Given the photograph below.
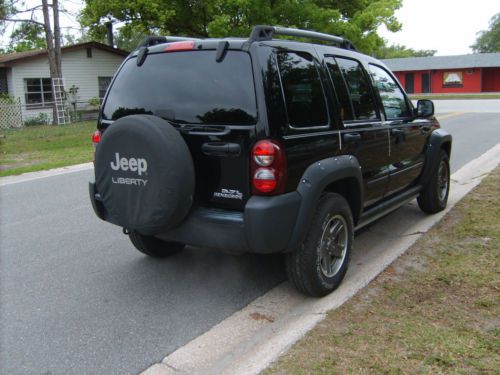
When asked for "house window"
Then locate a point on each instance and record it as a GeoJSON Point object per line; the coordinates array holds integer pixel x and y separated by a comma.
{"type": "Point", "coordinates": [103, 85]}
{"type": "Point", "coordinates": [453, 79]}
{"type": "Point", "coordinates": [38, 92]}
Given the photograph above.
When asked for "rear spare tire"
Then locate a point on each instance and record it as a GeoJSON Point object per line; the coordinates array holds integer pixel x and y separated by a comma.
{"type": "Point", "coordinates": [144, 174]}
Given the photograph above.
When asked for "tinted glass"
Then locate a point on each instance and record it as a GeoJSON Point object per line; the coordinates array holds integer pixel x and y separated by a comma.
{"type": "Point", "coordinates": [304, 98]}
{"type": "Point", "coordinates": [361, 95]}
{"type": "Point", "coordinates": [393, 99]}
{"type": "Point", "coordinates": [186, 87]}
{"type": "Point", "coordinates": [340, 89]}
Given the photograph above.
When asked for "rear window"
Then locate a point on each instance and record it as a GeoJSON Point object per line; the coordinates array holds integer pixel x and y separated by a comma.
{"type": "Point", "coordinates": [186, 87]}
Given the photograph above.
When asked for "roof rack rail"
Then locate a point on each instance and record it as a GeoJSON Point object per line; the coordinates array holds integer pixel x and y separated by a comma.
{"type": "Point", "coordinates": [154, 40]}
{"type": "Point", "coordinates": [263, 33]}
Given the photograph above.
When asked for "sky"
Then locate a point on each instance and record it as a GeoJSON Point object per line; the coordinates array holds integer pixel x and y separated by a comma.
{"type": "Point", "coordinates": [447, 26]}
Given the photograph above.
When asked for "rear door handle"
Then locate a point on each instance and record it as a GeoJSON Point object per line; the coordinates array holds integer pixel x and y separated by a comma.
{"type": "Point", "coordinates": [221, 149]}
{"type": "Point", "coordinates": [352, 137]}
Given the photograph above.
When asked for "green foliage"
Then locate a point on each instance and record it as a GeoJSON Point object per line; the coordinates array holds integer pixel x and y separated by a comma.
{"type": "Point", "coordinates": [40, 119]}
{"type": "Point", "coordinates": [27, 36]}
{"type": "Point", "coordinates": [7, 99]}
{"type": "Point", "coordinates": [489, 40]}
{"type": "Point", "coordinates": [127, 39]}
{"type": "Point", "coordinates": [397, 50]}
{"type": "Point", "coordinates": [95, 101]}
{"type": "Point", "coordinates": [6, 9]}
{"type": "Point", "coordinates": [357, 20]}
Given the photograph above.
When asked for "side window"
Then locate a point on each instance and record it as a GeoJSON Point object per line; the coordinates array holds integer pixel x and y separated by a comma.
{"type": "Point", "coordinates": [304, 97]}
{"type": "Point", "coordinates": [393, 99]}
{"type": "Point", "coordinates": [340, 89]}
{"type": "Point", "coordinates": [360, 92]}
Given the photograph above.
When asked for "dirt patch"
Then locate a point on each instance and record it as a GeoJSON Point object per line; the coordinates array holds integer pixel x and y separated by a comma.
{"type": "Point", "coordinates": [259, 316]}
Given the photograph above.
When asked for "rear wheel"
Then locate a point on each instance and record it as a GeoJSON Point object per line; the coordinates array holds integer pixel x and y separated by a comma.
{"type": "Point", "coordinates": [154, 247]}
{"type": "Point", "coordinates": [434, 196]}
{"type": "Point", "coordinates": [318, 266]}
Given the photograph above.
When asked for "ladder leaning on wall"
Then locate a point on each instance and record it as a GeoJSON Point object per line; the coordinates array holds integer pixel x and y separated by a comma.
{"type": "Point", "coordinates": [59, 101]}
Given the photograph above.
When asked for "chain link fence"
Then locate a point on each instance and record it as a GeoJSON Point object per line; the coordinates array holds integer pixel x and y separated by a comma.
{"type": "Point", "coordinates": [10, 113]}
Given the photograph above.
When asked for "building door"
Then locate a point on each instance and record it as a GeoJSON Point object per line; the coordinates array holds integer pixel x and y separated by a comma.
{"type": "Point", "coordinates": [410, 86]}
{"type": "Point", "coordinates": [426, 83]}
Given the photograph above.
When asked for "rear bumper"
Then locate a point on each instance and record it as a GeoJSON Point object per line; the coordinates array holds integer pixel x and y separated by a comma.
{"type": "Point", "coordinates": [265, 226]}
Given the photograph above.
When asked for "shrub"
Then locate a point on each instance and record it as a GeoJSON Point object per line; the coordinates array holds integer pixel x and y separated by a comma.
{"type": "Point", "coordinates": [40, 119]}
{"type": "Point", "coordinates": [95, 101]}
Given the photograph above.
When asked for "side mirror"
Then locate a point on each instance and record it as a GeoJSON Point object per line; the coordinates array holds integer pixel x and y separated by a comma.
{"type": "Point", "coordinates": [425, 108]}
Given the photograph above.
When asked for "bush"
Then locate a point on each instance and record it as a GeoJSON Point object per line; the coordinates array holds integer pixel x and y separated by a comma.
{"type": "Point", "coordinates": [7, 99]}
{"type": "Point", "coordinates": [95, 102]}
{"type": "Point", "coordinates": [75, 116]}
{"type": "Point", "coordinates": [40, 119]}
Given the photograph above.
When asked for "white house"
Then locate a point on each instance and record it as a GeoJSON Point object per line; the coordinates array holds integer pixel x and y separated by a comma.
{"type": "Point", "coordinates": [87, 70]}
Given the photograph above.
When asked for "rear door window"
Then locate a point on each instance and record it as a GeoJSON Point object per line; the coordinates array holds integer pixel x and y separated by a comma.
{"type": "Point", "coordinates": [186, 87]}
{"type": "Point", "coordinates": [358, 86]}
{"type": "Point", "coordinates": [303, 91]}
{"type": "Point", "coordinates": [347, 112]}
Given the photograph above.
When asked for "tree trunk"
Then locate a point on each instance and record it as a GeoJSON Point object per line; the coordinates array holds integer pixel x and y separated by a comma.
{"type": "Point", "coordinates": [57, 37]}
{"type": "Point", "coordinates": [54, 59]}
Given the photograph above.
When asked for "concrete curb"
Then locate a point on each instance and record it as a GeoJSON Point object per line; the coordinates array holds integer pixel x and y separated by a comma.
{"type": "Point", "coordinates": [252, 338]}
{"type": "Point", "coordinates": [30, 176]}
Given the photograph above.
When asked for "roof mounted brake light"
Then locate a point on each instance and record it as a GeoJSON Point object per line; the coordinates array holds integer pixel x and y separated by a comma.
{"type": "Point", "coordinates": [180, 46]}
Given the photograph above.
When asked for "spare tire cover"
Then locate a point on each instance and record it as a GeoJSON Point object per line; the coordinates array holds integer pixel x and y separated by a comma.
{"type": "Point", "coordinates": [144, 174]}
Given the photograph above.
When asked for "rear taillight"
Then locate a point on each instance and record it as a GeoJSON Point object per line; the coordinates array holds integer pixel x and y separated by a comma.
{"type": "Point", "coordinates": [96, 137]}
{"type": "Point", "coordinates": [268, 168]}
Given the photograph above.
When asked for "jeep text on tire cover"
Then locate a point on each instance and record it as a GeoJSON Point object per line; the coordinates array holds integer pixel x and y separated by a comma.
{"type": "Point", "coordinates": [262, 145]}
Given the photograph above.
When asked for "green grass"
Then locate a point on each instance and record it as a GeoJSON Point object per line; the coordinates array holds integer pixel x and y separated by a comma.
{"type": "Point", "coordinates": [434, 311]}
{"type": "Point", "coordinates": [455, 96]}
{"type": "Point", "coordinates": [37, 148]}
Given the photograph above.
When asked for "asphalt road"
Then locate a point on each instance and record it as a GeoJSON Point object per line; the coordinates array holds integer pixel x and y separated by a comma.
{"type": "Point", "coordinates": [76, 298]}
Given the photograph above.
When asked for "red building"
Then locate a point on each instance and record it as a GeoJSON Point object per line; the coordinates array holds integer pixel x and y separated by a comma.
{"type": "Point", "coordinates": [448, 74]}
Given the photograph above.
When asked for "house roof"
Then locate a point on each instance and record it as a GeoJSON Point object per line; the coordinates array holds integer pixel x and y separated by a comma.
{"type": "Point", "coordinates": [11, 58]}
{"type": "Point", "coordinates": [480, 60]}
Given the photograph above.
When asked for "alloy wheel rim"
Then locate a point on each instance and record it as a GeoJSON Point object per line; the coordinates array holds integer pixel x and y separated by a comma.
{"type": "Point", "coordinates": [443, 181]}
{"type": "Point", "coordinates": [333, 245]}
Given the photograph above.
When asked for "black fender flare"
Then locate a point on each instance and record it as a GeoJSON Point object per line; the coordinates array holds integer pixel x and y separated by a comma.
{"type": "Point", "coordinates": [439, 139]}
{"type": "Point", "coordinates": [316, 178]}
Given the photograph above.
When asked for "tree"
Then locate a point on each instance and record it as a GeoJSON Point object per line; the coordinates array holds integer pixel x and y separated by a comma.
{"type": "Point", "coordinates": [398, 51]}
{"type": "Point", "coordinates": [9, 13]}
{"type": "Point", "coordinates": [26, 37]}
{"type": "Point", "coordinates": [489, 40]}
{"type": "Point", "coordinates": [357, 20]}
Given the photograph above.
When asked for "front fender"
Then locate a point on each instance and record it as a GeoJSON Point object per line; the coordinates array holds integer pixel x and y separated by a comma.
{"type": "Point", "coordinates": [438, 140]}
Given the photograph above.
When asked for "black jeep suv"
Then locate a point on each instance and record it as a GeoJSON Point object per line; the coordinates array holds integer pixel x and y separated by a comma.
{"type": "Point", "coordinates": [262, 145]}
